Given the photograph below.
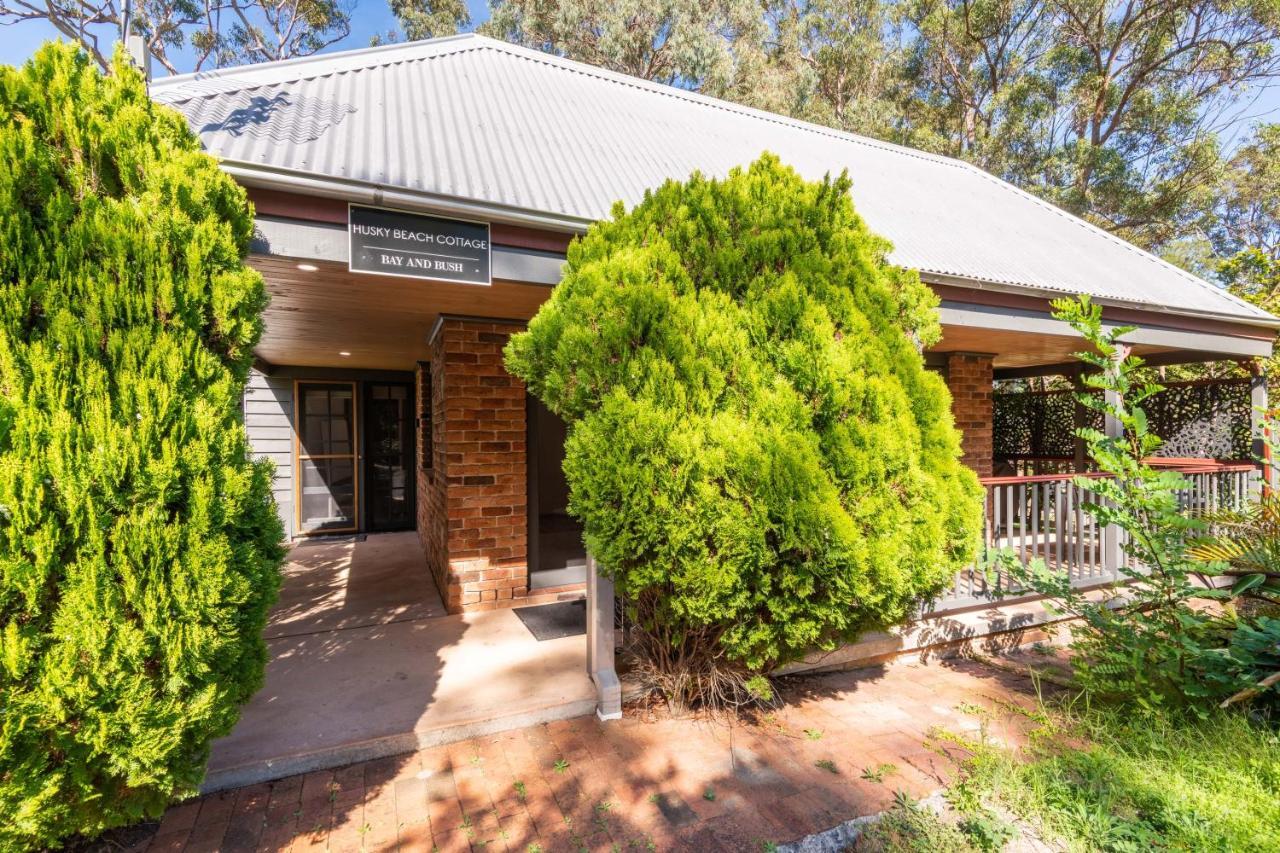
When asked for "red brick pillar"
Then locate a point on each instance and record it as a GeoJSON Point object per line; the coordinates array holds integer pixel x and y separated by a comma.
{"type": "Point", "coordinates": [969, 376]}
{"type": "Point", "coordinates": [473, 522]}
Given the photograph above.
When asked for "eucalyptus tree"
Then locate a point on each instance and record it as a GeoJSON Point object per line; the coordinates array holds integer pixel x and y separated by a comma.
{"type": "Point", "coordinates": [216, 32]}
{"type": "Point", "coordinates": [424, 19]}
{"type": "Point", "coordinates": [1246, 231]}
{"type": "Point", "coordinates": [1108, 108]}
{"type": "Point", "coordinates": [705, 45]}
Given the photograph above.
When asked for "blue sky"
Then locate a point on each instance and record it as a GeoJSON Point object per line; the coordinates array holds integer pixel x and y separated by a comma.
{"type": "Point", "coordinates": [372, 17]}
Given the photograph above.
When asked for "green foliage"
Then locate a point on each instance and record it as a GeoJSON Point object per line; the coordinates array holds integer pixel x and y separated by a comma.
{"type": "Point", "coordinates": [1149, 640]}
{"type": "Point", "coordinates": [987, 831]}
{"type": "Point", "coordinates": [1107, 778]}
{"type": "Point", "coordinates": [716, 47]}
{"type": "Point", "coordinates": [1243, 544]}
{"type": "Point", "coordinates": [139, 545]}
{"type": "Point", "coordinates": [908, 827]}
{"type": "Point", "coordinates": [424, 19]}
{"type": "Point", "coordinates": [876, 774]}
{"type": "Point", "coordinates": [190, 33]}
{"type": "Point", "coordinates": [757, 453]}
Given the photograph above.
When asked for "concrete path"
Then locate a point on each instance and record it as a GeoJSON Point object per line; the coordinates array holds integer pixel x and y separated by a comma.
{"type": "Point", "coordinates": [838, 748]}
{"type": "Point", "coordinates": [365, 663]}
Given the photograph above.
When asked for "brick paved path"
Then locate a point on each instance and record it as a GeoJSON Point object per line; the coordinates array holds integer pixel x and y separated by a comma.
{"type": "Point", "coordinates": [641, 783]}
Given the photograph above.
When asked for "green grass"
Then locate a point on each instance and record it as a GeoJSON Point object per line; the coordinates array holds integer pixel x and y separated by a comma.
{"type": "Point", "coordinates": [1112, 779]}
{"type": "Point", "coordinates": [908, 828]}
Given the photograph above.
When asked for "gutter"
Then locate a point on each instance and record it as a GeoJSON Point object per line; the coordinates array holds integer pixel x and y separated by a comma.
{"type": "Point", "coordinates": [383, 195]}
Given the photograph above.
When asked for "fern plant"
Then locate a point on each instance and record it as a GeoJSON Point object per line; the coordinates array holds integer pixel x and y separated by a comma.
{"type": "Point", "coordinates": [1245, 546]}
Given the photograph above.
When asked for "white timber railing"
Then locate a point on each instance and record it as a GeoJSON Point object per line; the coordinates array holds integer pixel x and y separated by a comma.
{"type": "Point", "coordinates": [1045, 517]}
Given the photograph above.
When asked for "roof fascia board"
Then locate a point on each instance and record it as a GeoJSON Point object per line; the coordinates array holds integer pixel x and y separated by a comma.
{"type": "Point", "coordinates": [360, 192]}
{"type": "Point", "coordinates": [1036, 323]}
{"type": "Point", "coordinates": [1028, 290]}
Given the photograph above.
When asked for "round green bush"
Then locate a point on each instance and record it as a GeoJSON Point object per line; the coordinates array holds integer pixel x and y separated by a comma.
{"type": "Point", "coordinates": [758, 455]}
{"type": "Point", "coordinates": [139, 545]}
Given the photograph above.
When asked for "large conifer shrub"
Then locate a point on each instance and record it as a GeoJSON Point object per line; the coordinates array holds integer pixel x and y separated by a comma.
{"type": "Point", "coordinates": [139, 546]}
{"type": "Point", "coordinates": [758, 455]}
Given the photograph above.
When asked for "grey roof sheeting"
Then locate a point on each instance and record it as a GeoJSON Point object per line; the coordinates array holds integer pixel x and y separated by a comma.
{"type": "Point", "coordinates": [470, 118]}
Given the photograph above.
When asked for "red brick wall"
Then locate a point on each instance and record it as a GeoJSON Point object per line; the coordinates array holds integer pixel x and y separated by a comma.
{"type": "Point", "coordinates": [969, 376]}
{"type": "Point", "coordinates": [472, 516]}
{"type": "Point", "coordinates": [433, 529]}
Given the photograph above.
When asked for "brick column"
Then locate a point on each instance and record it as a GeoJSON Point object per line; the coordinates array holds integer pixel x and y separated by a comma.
{"type": "Point", "coordinates": [969, 376]}
{"type": "Point", "coordinates": [472, 516]}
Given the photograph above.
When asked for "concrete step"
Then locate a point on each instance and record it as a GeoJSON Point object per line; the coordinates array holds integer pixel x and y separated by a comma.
{"type": "Point", "coordinates": [266, 770]}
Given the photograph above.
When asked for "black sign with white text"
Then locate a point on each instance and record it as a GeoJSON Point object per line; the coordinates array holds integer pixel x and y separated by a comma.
{"type": "Point", "coordinates": [392, 242]}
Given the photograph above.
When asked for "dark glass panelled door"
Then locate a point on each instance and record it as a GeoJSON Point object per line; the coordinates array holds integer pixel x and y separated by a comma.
{"type": "Point", "coordinates": [556, 554]}
{"type": "Point", "coordinates": [326, 451]}
{"type": "Point", "coordinates": [388, 456]}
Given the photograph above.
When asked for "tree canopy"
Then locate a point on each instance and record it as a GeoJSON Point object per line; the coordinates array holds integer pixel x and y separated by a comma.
{"type": "Point", "coordinates": [216, 32]}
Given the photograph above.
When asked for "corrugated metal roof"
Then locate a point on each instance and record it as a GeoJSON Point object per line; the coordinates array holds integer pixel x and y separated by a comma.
{"type": "Point", "coordinates": [481, 120]}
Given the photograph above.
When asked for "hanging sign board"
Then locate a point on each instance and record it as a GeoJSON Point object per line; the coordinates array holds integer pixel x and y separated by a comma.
{"type": "Point", "coordinates": [393, 242]}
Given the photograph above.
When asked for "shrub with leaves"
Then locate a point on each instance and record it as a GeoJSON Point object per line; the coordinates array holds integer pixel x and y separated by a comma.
{"type": "Point", "coordinates": [757, 453]}
{"type": "Point", "coordinates": [139, 545]}
{"type": "Point", "coordinates": [1150, 640]}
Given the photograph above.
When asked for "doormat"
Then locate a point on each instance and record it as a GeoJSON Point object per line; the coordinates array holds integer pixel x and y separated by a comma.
{"type": "Point", "coordinates": [553, 621]}
{"type": "Point", "coordinates": [329, 538]}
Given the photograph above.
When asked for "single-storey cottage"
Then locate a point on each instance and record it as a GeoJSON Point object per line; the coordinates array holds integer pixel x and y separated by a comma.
{"type": "Point", "coordinates": [414, 203]}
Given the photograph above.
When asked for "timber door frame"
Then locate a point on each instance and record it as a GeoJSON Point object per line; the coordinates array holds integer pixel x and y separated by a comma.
{"type": "Point", "coordinates": [356, 457]}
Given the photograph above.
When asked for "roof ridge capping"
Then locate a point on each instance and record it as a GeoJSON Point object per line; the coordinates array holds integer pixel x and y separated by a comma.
{"type": "Point", "coordinates": [573, 65]}
{"type": "Point", "coordinates": [386, 54]}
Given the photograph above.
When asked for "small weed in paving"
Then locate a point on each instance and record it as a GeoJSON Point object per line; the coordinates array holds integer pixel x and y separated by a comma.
{"type": "Point", "coordinates": [709, 794]}
{"type": "Point", "coordinates": [561, 765]}
{"type": "Point", "coordinates": [876, 774]}
{"type": "Point", "coordinates": [535, 847]}
{"type": "Point", "coordinates": [813, 734]}
{"type": "Point", "coordinates": [521, 791]}
{"type": "Point", "coordinates": [828, 765]}
{"type": "Point", "coordinates": [334, 788]}
{"type": "Point", "coordinates": [653, 798]}
{"type": "Point", "coordinates": [603, 806]}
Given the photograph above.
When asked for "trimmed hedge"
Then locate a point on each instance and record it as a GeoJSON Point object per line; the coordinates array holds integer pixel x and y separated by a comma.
{"type": "Point", "coordinates": [139, 544]}
{"type": "Point", "coordinates": [756, 449]}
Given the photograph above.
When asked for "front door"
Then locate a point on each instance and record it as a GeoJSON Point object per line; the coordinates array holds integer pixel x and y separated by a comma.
{"type": "Point", "coordinates": [388, 456]}
{"type": "Point", "coordinates": [327, 490]}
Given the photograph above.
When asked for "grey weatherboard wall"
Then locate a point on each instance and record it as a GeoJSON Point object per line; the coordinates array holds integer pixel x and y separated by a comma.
{"type": "Point", "coordinates": [268, 420]}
